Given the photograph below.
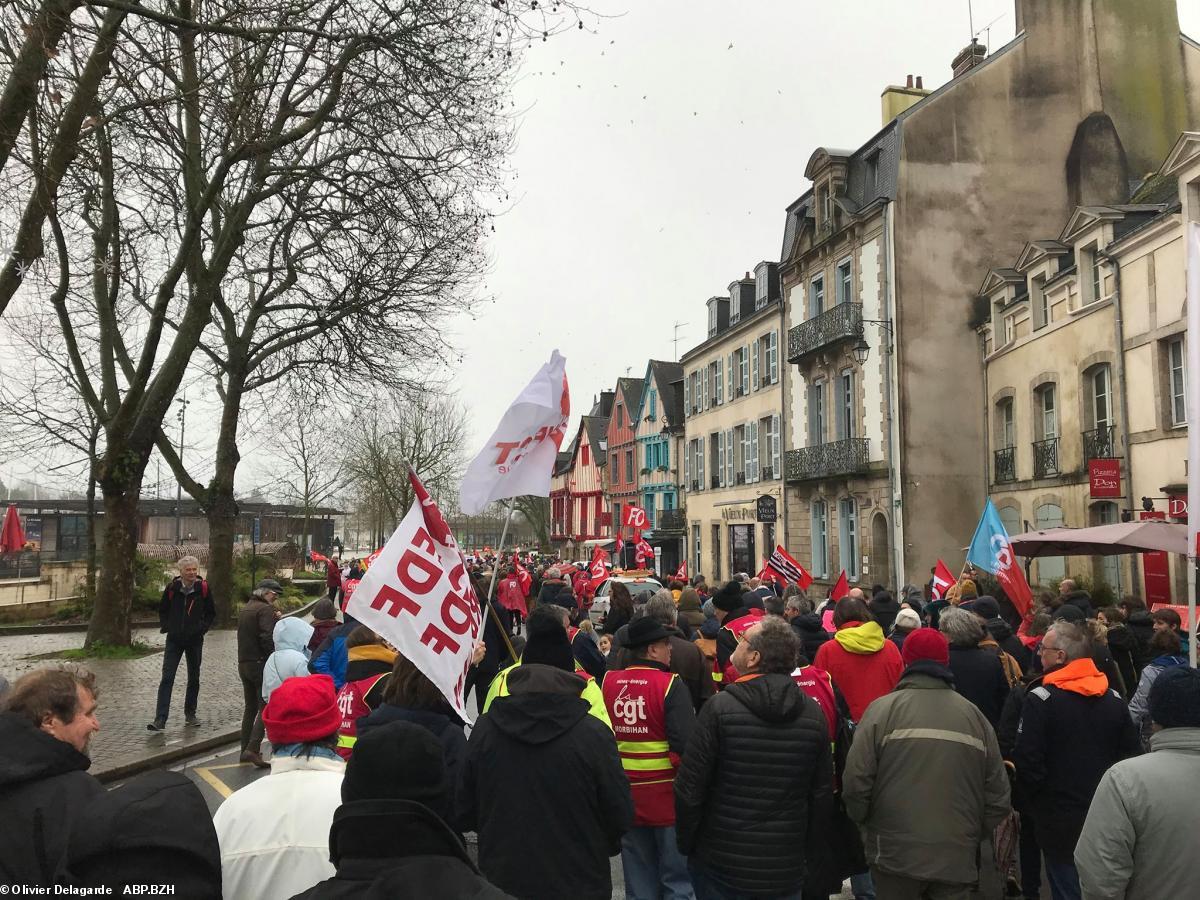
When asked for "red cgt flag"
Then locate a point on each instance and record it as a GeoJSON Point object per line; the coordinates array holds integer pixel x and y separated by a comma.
{"type": "Point", "coordinates": [597, 572]}
{"type": "Point", "coordinates": [681, 573]}
{"type": "Point", "coordinates": [523, 576]}
{"type": "Point", "coordinates": [840, 589]}
{"type": "Point", "coordinates": [943, 580]}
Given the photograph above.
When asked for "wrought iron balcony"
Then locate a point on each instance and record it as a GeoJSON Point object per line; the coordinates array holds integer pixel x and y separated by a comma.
{"type": "Point", "coordinates": [670, 520]}
{"type": "Point", "coordinates": [1098, 443]}
{"type": "Point", "coordinates": [739, 478]}
{"type": "Point", "coordinates": [1045, 458]}
{"type": "Point", "coordinates": [840, 323]}
{"type": "Point", "coordinates": [695, 484]}
{"type": "Point", "coordinates": [1005, 464]}
{"type": "Point", "coordinates": [827, 460]}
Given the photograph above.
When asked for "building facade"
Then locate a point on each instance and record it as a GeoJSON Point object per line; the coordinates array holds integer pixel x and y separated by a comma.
{"type": "Point", "coordinates": [733, 432]}
{"type": "Point", "coordinates": [578, 512]}
{"type": "Point", "coordinates": [1079, 105]}
{"type": "Point", "coordinates": [657, 421]}
{"type": "Point", "coordinates": [623, 457]}
{"type": "Point", "coordinates": [1084, 350]}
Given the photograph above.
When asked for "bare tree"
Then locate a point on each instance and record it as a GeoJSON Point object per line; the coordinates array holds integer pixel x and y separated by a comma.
{"type": "Point", "coordinates": [536, 512]}
{"type": "Point", "coordinates": [427, 433]}
{"type": "Point", "coordinates": [311, 469]}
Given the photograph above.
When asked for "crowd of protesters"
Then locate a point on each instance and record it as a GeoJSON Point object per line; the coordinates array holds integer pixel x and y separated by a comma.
{"type": "Point", "coordinates": [741, 741]}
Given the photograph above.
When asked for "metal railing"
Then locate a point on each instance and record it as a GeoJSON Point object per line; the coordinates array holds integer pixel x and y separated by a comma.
{"type": "Point", "coordinates": [671, 520]}
{"type": "Point", "coordinates": [1098, 443]}
{"type": "Point", "coordinates": [1045, 458]}
{"type": "Point", "coordinates": [715, 482]}
{"type": "Point", "coordinates": [825, 460]}
{"type": "Point", "coordinates": [20, 565]}
{"type": "Point", "coordinates": [695, 484]}
{"type": "Point", "coordinates": [1005, 462]}
{"type": "Point", "coordinates": [739, 478]}
{"type": "Point", "coordinates": [839, 323]}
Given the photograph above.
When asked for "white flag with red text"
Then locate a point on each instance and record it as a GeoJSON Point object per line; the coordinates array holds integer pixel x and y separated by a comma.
{"type": "Point", "coordinates": [518, 458]}
{"type": "Point", "coordinates": [418, 597]}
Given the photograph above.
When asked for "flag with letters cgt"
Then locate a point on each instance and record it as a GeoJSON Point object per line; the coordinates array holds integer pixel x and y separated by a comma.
{"type": "Point", "coordinates": [419, 598]}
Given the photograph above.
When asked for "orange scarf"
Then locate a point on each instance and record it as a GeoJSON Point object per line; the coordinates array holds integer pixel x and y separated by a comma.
{"type": "Point", "coordinates": [1079, 677]}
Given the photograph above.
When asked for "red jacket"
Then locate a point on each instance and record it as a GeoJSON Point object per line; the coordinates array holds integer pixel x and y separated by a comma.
{"type": "Point", "coordinates": [863, 663]}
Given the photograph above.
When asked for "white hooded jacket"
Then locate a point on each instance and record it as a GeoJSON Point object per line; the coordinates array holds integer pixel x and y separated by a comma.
{"type": "Point", "coordinates": [290, 659]}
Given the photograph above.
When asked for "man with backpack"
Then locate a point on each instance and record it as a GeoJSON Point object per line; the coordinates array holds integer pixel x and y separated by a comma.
{"type": "Point", "coordinates": [185, 614]}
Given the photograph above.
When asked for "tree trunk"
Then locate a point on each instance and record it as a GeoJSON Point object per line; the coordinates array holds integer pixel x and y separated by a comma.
{"type": "Point", "coordinates": [222, 514]}
{"type": "Point", "coordinates": [114, 595]}
{"type": "Point", "coordinates": [91, 513]}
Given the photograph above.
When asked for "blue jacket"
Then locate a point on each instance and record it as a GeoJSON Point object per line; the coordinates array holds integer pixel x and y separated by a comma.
{"type": "Point", "coordinates": [290, 659]}
{"type": "Point", "coordinates": [331, 656]}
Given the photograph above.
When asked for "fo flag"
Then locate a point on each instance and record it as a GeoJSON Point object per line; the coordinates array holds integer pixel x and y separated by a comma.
{"type": "Point", "coordinates": [991, 551]}
{"type": "Point", "coordinates": [518, 459]}
{"type": "Point", "coordinates": [418, 597]}
{"type": "Point", "coordinates": [785, 565]}
{"type": "Point", "coordinates": [943, 580]}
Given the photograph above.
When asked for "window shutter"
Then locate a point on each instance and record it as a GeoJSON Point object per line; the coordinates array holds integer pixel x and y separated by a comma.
{"type": "Point", "coordinates": [729, 457]}
{"type": "Point", "coordinates": [687, 466]}
{"type": "Point", "coordinates": [721, 458]}
{"type": "Point", "coordinates": [720, 371]}
{"type": "Point", "coordinates": [755, 365]}
{"type": "Point", "coordinates": [687, 396]}
{"type": "Point", "coordinates": [774, 356]}
{"type": "Point", "coordinates": [754, 450]}
{"type": "Point", "coordinates": [700, 460]}
{"type": "Point", "coordinates": [776, 469]}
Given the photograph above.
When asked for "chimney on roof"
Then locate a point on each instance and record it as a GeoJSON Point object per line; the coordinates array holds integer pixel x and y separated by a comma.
{"type": "Point", "coordinates": [968, 58]}
{"type": "Point", "coordinates": [896, 99]}
{"type": "Point", "coordinates": [920, 83]}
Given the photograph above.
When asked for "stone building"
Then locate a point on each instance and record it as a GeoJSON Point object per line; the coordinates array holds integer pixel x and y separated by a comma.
{"type": "Point", "coordinates": [1079, 106]}
{"type": "Point", "coordinates": [1083, 342]}
{"type": "Point", "coordinates": [733, 406]}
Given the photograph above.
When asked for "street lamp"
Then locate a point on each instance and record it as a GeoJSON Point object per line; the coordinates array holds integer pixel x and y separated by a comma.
{"type": "Point", "coordinates": [862, 349]}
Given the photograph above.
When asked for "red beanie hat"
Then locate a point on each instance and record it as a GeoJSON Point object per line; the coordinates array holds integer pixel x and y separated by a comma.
{"type": "Point", "coordinates": [302, 710]}
{"type": "Point", "coordinates": [924, 643]}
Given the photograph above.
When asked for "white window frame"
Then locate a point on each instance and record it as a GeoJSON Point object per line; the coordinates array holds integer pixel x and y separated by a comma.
{"type": "Point", "coordinates": [1008, 423]}
{"type": "Point", "coordinates": [818, 426]}
{"type": "Point", "coordinates": [721, 458]}
{"type": "Point", "coordinates": [744, 364]}
{"type": "Point", "coordinates": [1177, 380]}
{"type": "Point", "coordinates": [848, 536]}
{"type": "Point", "coordinates": [845, 405]}
{"type": "Point", "coordinates": [1101, 376]}
{"type": "Point", "coordinates": [752, 468]}
{"type": "Point", "coordinates": [719, 380]}
{"type": "Point", "coordinates": [776, 448]}
{"type": "Point", "coordinates": [816, 295]}
{"type": "Point", "coordinates": [729, 458]}
{"type": "Point", "coordinates": [844, 283]}
{"type": "Point", "coordinates": [819, 523]}
{"type": "Point", "coordinates": [773, 356]}
{"type": "Point", "coordinates": [755, 367]}
{"type": "Point", "coordinates": [1048, 411]}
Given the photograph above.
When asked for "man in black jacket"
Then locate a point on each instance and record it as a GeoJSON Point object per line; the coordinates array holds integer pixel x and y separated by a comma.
{"type": "Point", "coordinates": [1073, 727]}
{"type": "Point", "coordinates": [757, 775]}
{"type": "Point", "coordinates": [47, 722]}
{"type": "Point", "coordinates": [185, 613]}
{"type": "Point", "coordinates": [543, 786]}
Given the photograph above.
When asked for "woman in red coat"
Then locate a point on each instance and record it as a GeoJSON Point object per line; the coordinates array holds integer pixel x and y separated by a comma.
{"type": "Point", "coordinates": [863, 663]}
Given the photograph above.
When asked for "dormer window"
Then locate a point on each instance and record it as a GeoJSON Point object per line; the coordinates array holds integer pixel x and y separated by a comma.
{"type": "Point", "coordinates": [712, 317]}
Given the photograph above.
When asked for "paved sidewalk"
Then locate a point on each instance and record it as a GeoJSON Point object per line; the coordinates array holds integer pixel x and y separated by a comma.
{"type": "Point", "coordinates": [127, 693]}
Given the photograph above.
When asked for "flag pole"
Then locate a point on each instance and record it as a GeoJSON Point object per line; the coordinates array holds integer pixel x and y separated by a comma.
{"type": "Point", "coordinates": [492, 587]}
{"type": "Point", "coordinates": [1192, 238]}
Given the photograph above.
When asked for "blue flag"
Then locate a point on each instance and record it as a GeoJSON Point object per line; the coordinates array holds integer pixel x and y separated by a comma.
{"type": "Point", "coordinates": [991, 551]}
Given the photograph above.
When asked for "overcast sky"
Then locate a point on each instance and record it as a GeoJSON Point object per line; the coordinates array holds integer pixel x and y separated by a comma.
{"type": "Point", "coordinates": [655, 154]}
{"type": "Point", "coordinates": [655, 159]}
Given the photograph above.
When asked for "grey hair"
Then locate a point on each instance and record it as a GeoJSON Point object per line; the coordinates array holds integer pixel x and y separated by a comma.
{"type": "Point", "coordinates": [777, 645]}
{"type": "Point", "coordinates": [799, 604]}
{"type": "Point", "coordinates": [662, 609]}
{"type": "Point", "coordinates": [186, 561]}
{"type": "Point", "coordinates": [1072, 640]}
{"type": "Point", "coordinates": [773, 605]}
{"type": "Point", "coordinates": [961, 628]}
{"type": "Point", "coordinates": [661, 593]}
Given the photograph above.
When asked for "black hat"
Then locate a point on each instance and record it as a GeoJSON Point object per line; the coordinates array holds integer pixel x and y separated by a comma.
{"type": "Point", "coordinates": [643, 631]}
{"type": "Point", "coordinates": [983, 606]}
{"type": "Point", "coordinates": [546, 643]}
{"type": "Point", "coordinates": [729, 597]}
{"type": "Point", "coordinates": [1069, 613]}
{"type": "Point", "coordinates": [397, 761]}
{"type": "Point", "coordinates": [1175, 698]}
{"type": "Point", "coordinates": [269, 584]}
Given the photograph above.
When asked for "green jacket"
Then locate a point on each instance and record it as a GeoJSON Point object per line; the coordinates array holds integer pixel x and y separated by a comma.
{"type": "Point", "coordinates": [1139, 836]}
{"type": "Point", "coordinates": [924, 779]}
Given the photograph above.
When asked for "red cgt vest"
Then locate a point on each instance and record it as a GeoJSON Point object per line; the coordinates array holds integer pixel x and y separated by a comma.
{"type": "Point", "coordinates": [817, 684]}
{"type": "Point", "coordinates": [352, 704]}
{"type": "Point", "coordinates": [635, 698]}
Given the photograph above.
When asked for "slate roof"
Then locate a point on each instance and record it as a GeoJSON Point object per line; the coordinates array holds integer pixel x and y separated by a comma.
{"type": "Point", "coordinates": [632, 389]}
{"type": "Point", "coordinates": [597, 432]}
{"type": "Point", "coordinates": [668, 376]}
